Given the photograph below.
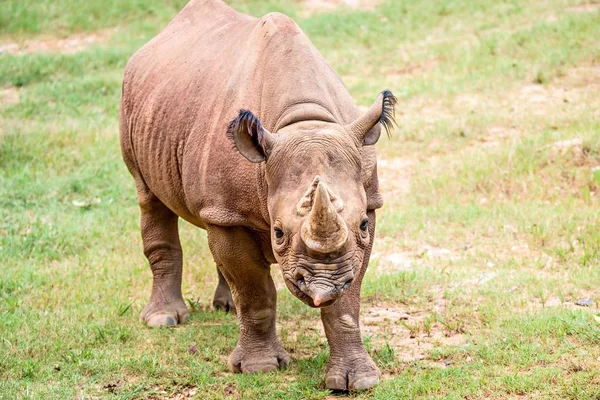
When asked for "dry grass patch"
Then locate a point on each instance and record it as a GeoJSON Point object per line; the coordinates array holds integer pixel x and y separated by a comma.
{"type": "Point", "coordinates": [394, 178]}
{"type": "Point", "coordinates": [411, 336]}
{"type": "Point", "coordinates": [68, 45]}
{"type": "Point", "coordinates": [9, 96]}
{"type": "Point", "coordinates": [311, 7]}
{"type": "Point", "coordinates": [584, 8]}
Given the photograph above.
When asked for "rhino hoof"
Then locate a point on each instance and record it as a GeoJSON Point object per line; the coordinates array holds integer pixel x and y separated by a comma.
{"type": "Point", "coordinates": [250, 363]}
{"type": "Point", "coordinates": [353, 375]}
{"type": "Point", "coordinates": [161, 320]}
{"type": "Point", "coordinates": [165, 315]}
{"type": "Point", "coordinates": [336, 382]}
{"type": "Point", "coordinates": [360, 382]}
{"type": "Point", "coordinates": [224, 305]}
{"type": "Point", "coordinates": [365, 382]}
{"type": "Point", "coordinates": [222, 299]}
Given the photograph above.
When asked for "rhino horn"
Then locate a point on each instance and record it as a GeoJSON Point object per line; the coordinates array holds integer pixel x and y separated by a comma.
{"type": "Point", "coordinates": [324, 230]}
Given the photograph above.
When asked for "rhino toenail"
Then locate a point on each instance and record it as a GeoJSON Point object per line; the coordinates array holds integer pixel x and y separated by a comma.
{"type": "Point", "coordinates": [365, 383]}
{"type": "Point", "coordinates": [336, 382]}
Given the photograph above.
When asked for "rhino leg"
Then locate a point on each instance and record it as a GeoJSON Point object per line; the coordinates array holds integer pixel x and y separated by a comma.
{"type": "Point", "coordinates": [222, 299]}
{"type": "Point", "coordinates": [163, 251]}
{"type": "Point", "coordinates": [350, 366]}
{"type": "Point", "coordinates": [240, 259]}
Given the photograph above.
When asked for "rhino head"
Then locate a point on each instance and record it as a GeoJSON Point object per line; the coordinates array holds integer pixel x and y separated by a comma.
{"type": "Point", "coordinates": [316, 197]}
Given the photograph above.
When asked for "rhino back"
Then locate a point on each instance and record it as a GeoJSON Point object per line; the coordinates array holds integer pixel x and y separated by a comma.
{"type": "Point", "coordinates": [183, 87]}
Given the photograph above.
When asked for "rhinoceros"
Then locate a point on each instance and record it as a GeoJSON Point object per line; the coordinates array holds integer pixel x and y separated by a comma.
{"type": "Point", "coordinates": [239, 126]}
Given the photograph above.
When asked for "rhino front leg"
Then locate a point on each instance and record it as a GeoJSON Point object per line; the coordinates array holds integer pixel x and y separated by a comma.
{"type": "Point", "coordinates": [222, 300]}
{"type": "Point", "coordinates": [160, 236]}
{"type": "Point", "coordinates": [350, 366]}
{"type": "Point", "coordinates": [248, 274]}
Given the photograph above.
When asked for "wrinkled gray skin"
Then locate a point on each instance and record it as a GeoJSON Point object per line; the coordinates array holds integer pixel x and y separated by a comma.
{"type": "Point", "coordinates": [293, 182]}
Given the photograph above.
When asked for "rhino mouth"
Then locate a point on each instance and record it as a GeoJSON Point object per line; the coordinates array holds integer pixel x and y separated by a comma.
{"type": "Point", "coordinates": [319, 283]}
{"type": "Point", "coordinates": [297, 291]}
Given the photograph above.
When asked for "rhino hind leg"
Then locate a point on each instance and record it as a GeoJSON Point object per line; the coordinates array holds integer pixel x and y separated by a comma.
{"type": "Point", "coordinates": [247, 272]}
{"type": "Point", "coordinates": [222, 300]}
{"type": "Point", "coordinates": [350, 367]}
{"type": "Point", "coordinates": [160, 237]}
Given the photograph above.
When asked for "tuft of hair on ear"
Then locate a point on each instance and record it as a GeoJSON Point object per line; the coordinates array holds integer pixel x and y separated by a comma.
{"type": "Point", "coordinates": [388, 112]}
{"type": "Point", "coordinates": [248, 123]}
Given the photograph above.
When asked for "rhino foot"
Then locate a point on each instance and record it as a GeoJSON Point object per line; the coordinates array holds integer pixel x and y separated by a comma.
{"type": "Point", "coordinates": [258, 360]}
{"type": "Point", "coordinates": [161, 314]}
{"type": "Point", "coordinates": [223, 300]}
{"type": "Point", "coordinates": [352, 374]}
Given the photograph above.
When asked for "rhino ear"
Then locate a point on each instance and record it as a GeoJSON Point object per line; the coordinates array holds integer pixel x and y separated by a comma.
{"type": "Point", "coordinates": [367, 128]}
{"type": "Point", "coordinates": [251, 139]}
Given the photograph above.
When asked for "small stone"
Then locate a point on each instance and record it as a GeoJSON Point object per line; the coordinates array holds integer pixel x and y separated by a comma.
{"type": "Point", "coordinates": [447, 363]}
{"type": "Point", "coordinates": [56, 367]}
{"type": "Point", "coordinates": [584, 302]}
{"type": "Point", "coordinates": [192, 350]}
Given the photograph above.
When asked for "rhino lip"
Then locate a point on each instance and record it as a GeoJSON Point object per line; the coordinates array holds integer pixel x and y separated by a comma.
{"type": "Point", "coordinates": [324, 304]}
{"type": "Point", "coordinates": [300, 294]}
{"type": "Point", "coordinates": [306, 298]}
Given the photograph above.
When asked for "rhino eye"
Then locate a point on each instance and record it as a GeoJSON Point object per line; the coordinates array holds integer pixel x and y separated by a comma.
{"type": "Point", "coordinates": [364, 225]}
{"type": "Point", "coordinates": [278, 233]}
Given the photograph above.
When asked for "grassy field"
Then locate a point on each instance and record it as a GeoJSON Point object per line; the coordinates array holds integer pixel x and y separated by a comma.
{"type": "Point", "coordinates": [486, 275]}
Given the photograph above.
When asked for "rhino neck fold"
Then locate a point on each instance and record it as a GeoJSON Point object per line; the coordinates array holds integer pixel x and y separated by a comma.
{"type": "Point", "coordinates": [300, 112]}
{"type": "Point", "coordinates": [262, 189]}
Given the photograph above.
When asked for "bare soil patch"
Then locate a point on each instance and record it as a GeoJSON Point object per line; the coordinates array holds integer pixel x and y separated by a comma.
{"type": "Point", "coordinates": [389, 262]}
{"type": "Point", "coordinates": [562, 98]}
{"type": "Point", "coordinates": [395, 181]}
{"type": "Point", "coordinates": [408, 334]}
{"type": "Point", "coordinates": [411, 335]}
{"type": "Point", "coordinates": [413, 69]}
{"type": "Point", "coordinates": [9, 96]}
{"type": "Point", "coordinates": [69, 45]}
{"type": "Point", "coordinates": [568, 91]}
{"type": "Point", "coordinates": [584, 8]}
{"type": "Point", "coordinates": [390, 259]}
{"type": "Point", "coordinates": [188, 393]}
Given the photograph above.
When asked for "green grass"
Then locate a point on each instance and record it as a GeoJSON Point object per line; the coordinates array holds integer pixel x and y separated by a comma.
{"type": "Point", "coordinates": [489, 235]}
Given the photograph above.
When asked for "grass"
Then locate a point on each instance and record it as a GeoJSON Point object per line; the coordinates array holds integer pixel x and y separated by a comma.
{"type": "Point", "coordinates": [489, 236]}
